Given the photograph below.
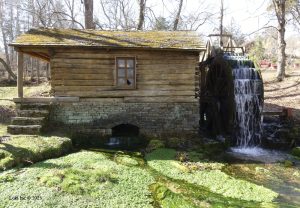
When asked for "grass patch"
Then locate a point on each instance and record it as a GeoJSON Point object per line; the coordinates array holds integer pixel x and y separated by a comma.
{"type": "Point", "coordinates": [3, 129]}
{"type": "Point", "coordinates": [83, 179]}
{"type": "Point", "coordinates": [8, 93]}
{"type": "Point", "coordinates": [126, 160]}
{"type": "Point", "coordinates": [25, 149]}
{"type": "Point", "coordinates": [78, 181]}
{"type": "Point", "coordinates": [169, 199]}
{"type": "Point", "coordinates": [162, 160]}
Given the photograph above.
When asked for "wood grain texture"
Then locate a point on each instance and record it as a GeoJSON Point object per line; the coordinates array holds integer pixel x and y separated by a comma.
{"type": "Point", "coordinates": [91, 73]}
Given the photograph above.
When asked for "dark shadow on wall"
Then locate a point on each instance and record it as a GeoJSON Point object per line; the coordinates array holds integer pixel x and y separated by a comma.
{"type": "Point", "coordinates": [125, 130]}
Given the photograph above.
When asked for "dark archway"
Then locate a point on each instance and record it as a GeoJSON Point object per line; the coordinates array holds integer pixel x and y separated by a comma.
{"type": "Point", "coordinates": [125, 130]}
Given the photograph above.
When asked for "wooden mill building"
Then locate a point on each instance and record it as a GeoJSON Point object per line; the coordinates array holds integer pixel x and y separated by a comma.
{"type": "Point", "coordinates": [102, 79]}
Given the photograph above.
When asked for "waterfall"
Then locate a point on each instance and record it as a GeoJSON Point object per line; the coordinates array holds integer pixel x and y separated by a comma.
{"type": "Point", "coordinates": [113, 142]}
{"type": "Point", "coordinates": [248, 95]}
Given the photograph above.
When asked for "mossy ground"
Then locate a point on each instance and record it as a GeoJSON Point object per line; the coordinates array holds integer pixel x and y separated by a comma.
{"type": "Point", "coordinates": [28, 149]}
{"type": "Point", "coordinates": [83, 179]}
{"type": "Point", "coordinates": [107, 178]}
{"type": "Point", "coordinates": [163, 161]}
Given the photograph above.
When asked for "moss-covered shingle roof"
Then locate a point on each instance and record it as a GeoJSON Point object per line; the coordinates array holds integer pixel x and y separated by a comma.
{"type": "Point", "coordinates": [110, 39]}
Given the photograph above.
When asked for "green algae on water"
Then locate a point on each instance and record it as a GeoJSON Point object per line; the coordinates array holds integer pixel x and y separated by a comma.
{"type": "Point", "coordinates": [162, 160]}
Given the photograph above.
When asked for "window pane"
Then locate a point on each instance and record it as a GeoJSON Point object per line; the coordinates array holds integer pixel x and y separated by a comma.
{"type": "Point", "coordinates": [130, 73]}
{"type": "Point", "coordinates": [121, 81]}
{"type": "Point", "coordinates": [121, 72]}
{"type": "Point", "coordinates": [121, 63]}
{"type": "Point", "coordinates": [130, 63]}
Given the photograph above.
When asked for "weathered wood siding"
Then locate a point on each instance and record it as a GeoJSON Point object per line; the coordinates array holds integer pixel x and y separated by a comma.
{"type": "Point", "coordinates": [166, 76]}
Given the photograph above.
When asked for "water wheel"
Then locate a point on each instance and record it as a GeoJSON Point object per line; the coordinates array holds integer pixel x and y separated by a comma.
{"type": "Point", "coordinates": [231, 93]}
{"type": "Point", "coordinates": [217, 97]}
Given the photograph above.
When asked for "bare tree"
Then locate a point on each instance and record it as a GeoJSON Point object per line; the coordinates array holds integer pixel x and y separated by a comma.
{"type": "Point", "coordinates": [8, 69]}
{"type": "Point", "coordinates": [142, 7]}
{"type": "Point", "coordinates": [234, 29]}
{"type": "Point", "coordinates": [88, 14]}
{"type": "Point", "coordinates": [221, 22]}
{"type": "Point", "coordinates": [177, 17]}
{"type": "Point", "coordinates": [68, 16]}
{"type": "Point", "coordinates": [70, 5]}
{"type": "Point", "coordinates": [119, 14]}
{"type": "Point", "coordinates": [295, 12]}
{"type": "Point", "coordinates": [280, 12]}
{"type": "Point", "coordinates": [6, 26]}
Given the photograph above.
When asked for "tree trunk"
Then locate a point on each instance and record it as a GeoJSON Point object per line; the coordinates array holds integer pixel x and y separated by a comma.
{"type": "Point", "coordinates": [281, 54]}
{"type": "Point", "coordinates": [8, 69]}
{"type": "Point", "coordinates": [6, 50]}
{"type": "Point", "coordinates": [142, 14]}
{"type": "Point", "coordinates": [176, 21]}
{"type": "Point", "coordinates": [221, 23]}
{"type": "Point", "coordinates": [280, 10]}
{"type": "Point", "coordinates": [88, 14]}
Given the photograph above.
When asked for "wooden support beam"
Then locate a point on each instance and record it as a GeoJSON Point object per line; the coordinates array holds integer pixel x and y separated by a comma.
{"type": "Point", "coordinates": [41, 56]}
{"type": "Point", "coordinates": [46, 100]}
{"type": "Point", "coordinates": [20, 74]}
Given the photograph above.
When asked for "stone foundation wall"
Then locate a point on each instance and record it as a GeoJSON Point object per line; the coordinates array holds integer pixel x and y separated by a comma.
{"type": "Point", "coordinates": [153, 119]}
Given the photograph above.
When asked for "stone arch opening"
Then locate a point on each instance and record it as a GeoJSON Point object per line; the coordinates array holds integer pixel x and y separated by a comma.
{"type": "Point", "coordinates": [127, 130]}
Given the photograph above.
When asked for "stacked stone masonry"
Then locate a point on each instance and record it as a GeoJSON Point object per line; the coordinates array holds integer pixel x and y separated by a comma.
{"type": "Point", "coordinates": [153, 119]}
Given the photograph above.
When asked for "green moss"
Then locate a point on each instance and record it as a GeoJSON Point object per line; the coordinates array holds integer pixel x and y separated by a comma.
{"type": "Point", "coordinates": [78, 181]}
{"type": "Point", "coordinates": [25, 149]}
{"type": "Point", "coordinates": [126, 160]}
{"type": "Point", "coordinates": [155, 144]}
{"type": "Point", "coordinates": [214, 148]}
{"type": "Point", "coordinates": [296, 151]}
{"type": "Point", "coordinates": [139, 39]}
{"type": "Point", "coordinates": [6, 178]}
{"type": "Point", "coordinates": [288, 163]}
{"type": "Point", "coordinates": [83, 179]}
{"type": "Point", "coordinates": [166, 198]}
{"type": "Point", "coordinates": [162, 160]}
{"type": "Point", "coordinates": [175, 142]}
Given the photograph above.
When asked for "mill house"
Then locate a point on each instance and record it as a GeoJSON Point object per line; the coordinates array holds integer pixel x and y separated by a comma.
{"type": "Point", "coordinates": [104, 79]}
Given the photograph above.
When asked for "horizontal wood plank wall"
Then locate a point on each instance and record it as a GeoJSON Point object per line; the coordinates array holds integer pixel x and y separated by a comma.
{"type": "Point", "coordinates": [161, 76]}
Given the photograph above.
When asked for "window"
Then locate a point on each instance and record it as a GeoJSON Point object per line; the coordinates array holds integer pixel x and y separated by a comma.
{"type": "Point", "coordinates": [125, 72]}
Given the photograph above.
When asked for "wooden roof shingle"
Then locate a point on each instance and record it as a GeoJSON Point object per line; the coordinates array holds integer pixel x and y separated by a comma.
{"type": "Point", "coordinates": [46, 37]}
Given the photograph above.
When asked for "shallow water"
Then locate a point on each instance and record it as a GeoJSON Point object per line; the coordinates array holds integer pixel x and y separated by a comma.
{"type": "Point", "coordinates": [258, 154]}
{"type": "Point", "coordinates": [267, 167]}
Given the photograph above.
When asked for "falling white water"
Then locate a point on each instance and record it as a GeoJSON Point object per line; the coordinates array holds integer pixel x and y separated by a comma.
{"type": "Point", "coordinates": [248, 92]}
{"type": "Point", "coordinates": [113, 141]}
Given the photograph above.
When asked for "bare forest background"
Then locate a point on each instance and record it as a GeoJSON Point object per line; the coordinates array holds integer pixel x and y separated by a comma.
{"type": "Point", "coordinates": [267, 43]}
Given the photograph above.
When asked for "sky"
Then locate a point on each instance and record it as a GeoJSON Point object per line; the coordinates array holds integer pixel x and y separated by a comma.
{"type": "Point", "coordinates": [250, 15]}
